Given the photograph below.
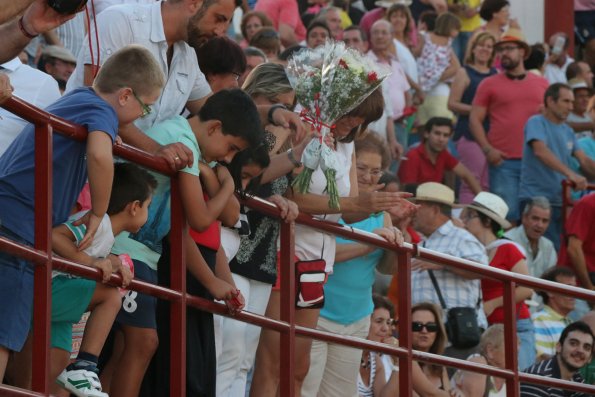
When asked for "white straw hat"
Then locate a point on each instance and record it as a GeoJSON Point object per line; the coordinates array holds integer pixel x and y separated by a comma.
{"type": "Point", "coordinates": [492, 206]}
{"type": "Point", "coordinates": [435, 192]}
{"type": "Point", "coordinates": [390, 3]}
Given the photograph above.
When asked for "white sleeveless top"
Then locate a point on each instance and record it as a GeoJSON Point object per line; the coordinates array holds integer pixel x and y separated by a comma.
{"type": "Point", "coordinates": [310, 243]}
{"type": "Point", "coordinates": [362, 389]}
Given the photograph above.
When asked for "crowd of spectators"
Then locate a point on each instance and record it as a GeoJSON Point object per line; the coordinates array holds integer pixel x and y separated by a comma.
{"type": "Point", "coordinates": [463, 150]}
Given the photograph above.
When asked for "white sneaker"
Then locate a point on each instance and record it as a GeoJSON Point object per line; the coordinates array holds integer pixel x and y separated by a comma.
{"type": "Point", "coordinates": [81, 383]}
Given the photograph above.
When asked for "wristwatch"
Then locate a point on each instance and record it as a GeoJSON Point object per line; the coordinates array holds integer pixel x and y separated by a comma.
{"type": "Point", "coordinates": [293, 160]}
{"type": "Point", "coordinates": [272, 110]}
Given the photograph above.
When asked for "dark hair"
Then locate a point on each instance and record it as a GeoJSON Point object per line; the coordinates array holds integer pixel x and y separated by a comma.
{"type": "Point", "coordinates": [552, 274]}
{"type": "Point", "coordinates": [131, 183]}
{"type": "Point", "coordinates": [579, 326]}
{"type": "Point", "coordinates": [371, 109]}
{"type": "Point", "coordinates": [403, 9]}
{"type": "Point", "coordinates": [221, 55]}
{"type": "Point", "coordinates": [254, 52]}
{"type": "Point", "coordinates": [288, 52]}
{"type": "Point", "coordinates": [491, 7]}
{"type": "Point", "coordinates": [486, 221]}
{"type": "Point", "coordinates": [446, 23]}
{"type": "Point", "coordinates": [317, 23]}
{"type": "Point", "coordinates": [441, 338]}
{"type": "Point", "coordinates": [429, 18]}
{"type": "Point", "coordinates": [381, 302]}
{"type": "Point", "coordinates": [267, 39]}
{"type": "Point", "coordinates": [356, 28]}
{"type": "Point", "coordinates": [237, 113]}
{"type": "Point", "coordinates": [264, 20]}
{"type": "Point", "coordinates": [573, 70]}
{"type": "Point", "coordinates": [438, 122]}
{"type": "Point", "coordinates": [536, 57]}
{"type": "Point", "coordinates": [388, 177]}
{"type": "Point", "coordinates": [553, 91]}
{"type": "Point", "coordinates": [257, 155]}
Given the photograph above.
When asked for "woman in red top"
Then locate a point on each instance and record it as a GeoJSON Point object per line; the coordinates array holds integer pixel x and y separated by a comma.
{"type": "Point", "coordinates": [485, 218]}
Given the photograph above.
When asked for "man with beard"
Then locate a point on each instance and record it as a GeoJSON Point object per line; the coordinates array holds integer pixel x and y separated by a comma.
{"type": "Point", "coordinates": [166, 29]}
{"type": "Point", "coordinates": [508, 99]}
{"type": "Point", "coordinates": [428, 161]}
{"type": "Point", "coordinates": [550, 144]}
{"type": "Point", "coordinates": [573, 351]}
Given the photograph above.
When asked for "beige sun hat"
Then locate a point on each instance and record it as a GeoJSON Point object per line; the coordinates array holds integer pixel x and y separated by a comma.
{"type": "Point", "coordinates": [492, 206]}
{"type": "Point", "coordinates": [59, 52]}
{"type": "Point", "coordinates": [435, 192]}
{"type": "Point", "coordinates": [390, 3]}
{"type": "Point", "coordinates": [578, 84]}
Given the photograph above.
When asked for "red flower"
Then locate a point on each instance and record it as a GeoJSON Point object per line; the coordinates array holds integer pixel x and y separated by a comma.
{"type": "Point", "coordinates": [372, 77]}
{"type": "Point", "coordinates": [343, 64]}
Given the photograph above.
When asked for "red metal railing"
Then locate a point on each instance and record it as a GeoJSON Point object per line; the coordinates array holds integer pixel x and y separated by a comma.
{"type": "Point", "coordinates": [41, 256]}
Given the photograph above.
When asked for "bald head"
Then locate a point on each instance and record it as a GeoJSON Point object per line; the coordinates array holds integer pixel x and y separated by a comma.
{"type": "Point", "coordinates": [381, 36]}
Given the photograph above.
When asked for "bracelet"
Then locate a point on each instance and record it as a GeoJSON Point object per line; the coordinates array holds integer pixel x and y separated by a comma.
{"type": "Point", "coordinates": [272, 110]}
{"type": "Point", "coordinates": [293, 160]}
{"type": "Point", "coordinates": [486, 150]}
{"type": "Point", "coordinates": [24, 31]}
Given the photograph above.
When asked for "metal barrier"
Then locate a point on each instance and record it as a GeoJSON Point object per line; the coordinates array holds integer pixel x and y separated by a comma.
{"type": "Point", "coordinates": [41, 256]}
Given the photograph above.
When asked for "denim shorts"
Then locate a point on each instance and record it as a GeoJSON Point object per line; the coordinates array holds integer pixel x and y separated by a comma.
{"type": "Point", "coordinates": [138, 309]}
{"type": "Point", "coordinates": [16, 296]}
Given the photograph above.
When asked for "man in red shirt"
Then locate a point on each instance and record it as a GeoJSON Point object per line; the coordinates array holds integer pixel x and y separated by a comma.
{"type": "Point", "coordinates": [428, 161]}
{"type": "Point", "coordinates": [508, 99]}
{"type": "Point", "coordinates": [578, 252]}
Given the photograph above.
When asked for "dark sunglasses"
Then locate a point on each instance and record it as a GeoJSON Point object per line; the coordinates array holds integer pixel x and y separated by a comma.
{"type": "Point", "coordinates": [430, 327]}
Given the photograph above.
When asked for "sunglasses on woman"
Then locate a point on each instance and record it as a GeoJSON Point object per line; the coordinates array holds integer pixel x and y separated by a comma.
{"type": "Point", "coordinates": [416, 326]}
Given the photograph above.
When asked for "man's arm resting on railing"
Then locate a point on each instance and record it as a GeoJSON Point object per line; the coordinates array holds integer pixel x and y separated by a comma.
{"type": "Point", "coordinates": [545, 155]}
{"type": "Point", "coordinates": [578, 262]}
{"type": "Point", "coordinates": [586, 163]}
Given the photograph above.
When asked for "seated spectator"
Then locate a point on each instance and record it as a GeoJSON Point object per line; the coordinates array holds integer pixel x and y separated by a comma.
{"type": "Point", "coordinates": [580, 70]}
{"type": "Point", "coordinates": [549, 145]}
{"type": "Point", "coordinates": [579, 118]}
{"type": "Point", "coordinates": [222, 61]}
{"type": "Point", "coordinates": [428, 161]}
{"type": "Point", "coordinates": [267, 40]}
{"type": "Point", "coordinates": [558, 59]}
{"type": "Point", "coordinates": [58, 62]}
{"type": "Point", "coordinates": [30, 85]}
{"type": "Point", "coordinates": [553, 318]}
{"type": "Point", "coordinates": [354, 37]}
{"type": "Point", "coordinates": [251, 23]}
{"type": "Point", "coordinates": [332, 17]}
{"type": "Point", "coordinates": [254, 57]}
{"type": "Point", "coordinates": [491, 351]}
{"type": "Point", "coordinates": [318, 32]}
{"type": "Point", "coordinates": [539, 250]}
{"type": "Point", "coordinates": [573, 351]}
{"type": "Point", "coordinates": [485, 218]}
{"type": "Point", "coordinates": [286, 20]}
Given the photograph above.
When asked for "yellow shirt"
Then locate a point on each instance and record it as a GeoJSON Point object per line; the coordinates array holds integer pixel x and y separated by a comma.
{"type": "Point", "coordinates": [469, 24]}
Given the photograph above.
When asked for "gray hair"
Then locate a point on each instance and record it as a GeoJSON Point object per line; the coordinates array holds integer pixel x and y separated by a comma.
{"type": "Point", "coordinates": [493, 336]}
{"type": "Point", "coordinates": [539, 202]}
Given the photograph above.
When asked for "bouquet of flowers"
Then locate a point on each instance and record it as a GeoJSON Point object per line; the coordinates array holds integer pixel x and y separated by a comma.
{"type": "Point", "coordinates": [329, 81]}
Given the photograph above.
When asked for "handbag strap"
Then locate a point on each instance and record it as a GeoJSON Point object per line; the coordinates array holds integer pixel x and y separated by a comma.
{"type": "Point", "coordinates": [437, 288]}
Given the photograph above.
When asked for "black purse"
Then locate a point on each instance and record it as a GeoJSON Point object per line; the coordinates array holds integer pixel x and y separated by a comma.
{"type": "Point", "coordinates": [461, 322]}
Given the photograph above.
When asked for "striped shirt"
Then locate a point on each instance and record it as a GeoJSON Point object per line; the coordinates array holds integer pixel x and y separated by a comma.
{"type": "Point", "coordinates": [456, 290]}
{"type": "Point", "coordinates": [550, 369]}
{"type": "Point", "coordinates": [548, 325]}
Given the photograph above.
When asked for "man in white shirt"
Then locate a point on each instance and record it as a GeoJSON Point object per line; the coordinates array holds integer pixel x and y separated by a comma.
{"type": "Point", "coordinates": [558, 61]}
{"type": "Point", "coordinates": [31, 85]}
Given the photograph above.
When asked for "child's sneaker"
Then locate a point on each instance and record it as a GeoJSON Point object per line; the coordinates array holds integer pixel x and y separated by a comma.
{"type": "Point", "coordinates": [81, 383]}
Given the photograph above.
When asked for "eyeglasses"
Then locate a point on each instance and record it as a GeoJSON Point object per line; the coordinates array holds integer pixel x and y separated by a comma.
{"type": "Point", "coordinates": [367, 171]}
{"type": "Point", "coordinates": [146, 108]}
{"type": "Point", "coordinates": [507, 48]}
{"type": "Point", "coordinates": [430, 327]}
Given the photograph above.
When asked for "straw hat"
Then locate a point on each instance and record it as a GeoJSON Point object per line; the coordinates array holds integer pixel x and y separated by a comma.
{"type": "Point", "coordinates": [492, 206]}
{"type": "Point", "coordinates": [435, 192]}
{"type": "Point", "coordinates": [514, 35]}
{"type": "Point", "coordinates": [389, 3]}
{"type": "Point", "coordinates": [578, 84]}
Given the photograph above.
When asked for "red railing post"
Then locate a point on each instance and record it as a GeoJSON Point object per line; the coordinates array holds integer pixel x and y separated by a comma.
{"type": "Point", "coordinates": [404, 310]}
{"type": "Point", "coordinates": [287, 339]}
{"type": "Point", "coordinates": [510, 338]}
{"type": "Point", "coordinates": [178, 283]}
{"type": "Point", "coordinates": [42, 292]}
{"type": "Point", "coordinates": [565, 201]}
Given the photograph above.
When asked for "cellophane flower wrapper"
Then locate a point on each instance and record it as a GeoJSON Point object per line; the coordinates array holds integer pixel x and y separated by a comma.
{"type": "Point", "coordinates": [329, 81]}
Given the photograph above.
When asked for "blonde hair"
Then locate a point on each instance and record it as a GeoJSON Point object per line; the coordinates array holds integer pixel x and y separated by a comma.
{"type": "Point", "coordinates": [131, 66]}
{"type": "Point", "coordinates": [474, 42]}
